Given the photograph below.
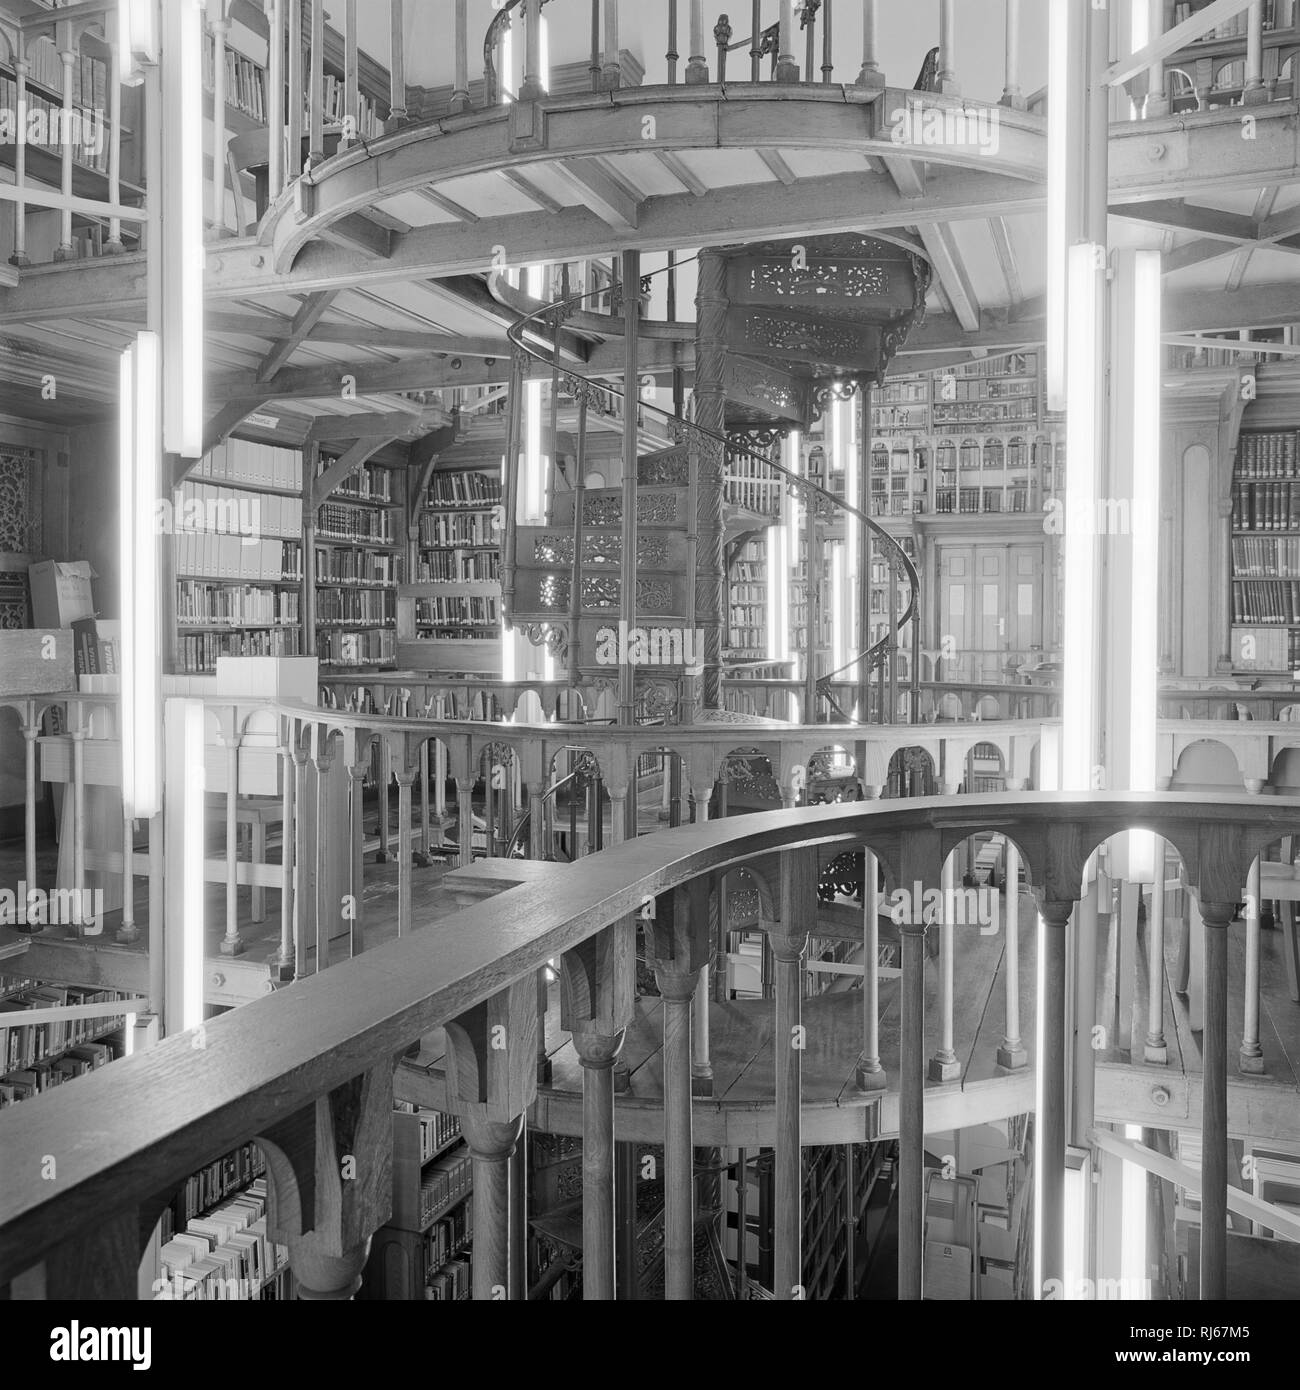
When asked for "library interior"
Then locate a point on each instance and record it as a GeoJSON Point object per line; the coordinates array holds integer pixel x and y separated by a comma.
{"type": "Point", "coordinates": [829, 472]}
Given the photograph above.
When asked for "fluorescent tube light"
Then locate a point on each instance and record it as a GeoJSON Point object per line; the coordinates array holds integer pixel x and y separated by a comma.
{"type": "Point", "coordinates": [1058, 192]}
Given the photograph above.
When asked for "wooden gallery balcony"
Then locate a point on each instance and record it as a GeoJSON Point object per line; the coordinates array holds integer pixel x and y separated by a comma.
{"type": "Point", "coordinates": [309, 1071]}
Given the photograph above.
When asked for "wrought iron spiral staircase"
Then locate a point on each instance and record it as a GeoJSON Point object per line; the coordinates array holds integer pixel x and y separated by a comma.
{"type": "Point", "coordinates": [543, 326]}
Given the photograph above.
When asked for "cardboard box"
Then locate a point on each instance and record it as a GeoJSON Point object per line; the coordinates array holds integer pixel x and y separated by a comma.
{"type": "Point", "coordinates": [61, 592]}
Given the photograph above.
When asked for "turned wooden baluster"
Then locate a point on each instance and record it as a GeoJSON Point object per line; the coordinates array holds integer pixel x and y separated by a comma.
{"type": "Point", "coordinates": [68, 35]}
{"type": "Point", "coordinates": [611, 73]}
{"type": "Point", "coordinates": [1011, 1051]}
{"type": "Point", "coordinates": [275, 131]}
{"type": "Point", "coordinates": [871, 1073]}
{"type": "Point", "coordinates": [21, 68]}
{"type": "Point", "coordinates": [945, 81]}
{"type": "Point", "coordinates": [1251, 1057]}
{"type": "Point", "coordinates": [1154, 1048]}
{"type": "Point", "coordinates": [396, 67]}
{"type": "Point", "coordinates": [460, 92]}
{"type": "Point", "coordinates": [1011, 95]}
{"type": "Point", "coordinates": [944, 1065]}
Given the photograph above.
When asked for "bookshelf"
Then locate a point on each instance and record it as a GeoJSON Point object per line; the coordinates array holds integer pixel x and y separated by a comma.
{"type": "Point", "coordinates": [211, 1242]}
{"type": "Point", "coordinates": [424, 1250]}
{"type": "Point", "coordinates": [1265, 553]}
{"type": "Point", "coordinates": [35, 1057]}
{"type": "Point", "coordinates": [449, 617]}
{"type": "Point", "coordinates": [747, 595]}
{"type": "Point", "coordinates": [238, 542]}
{"type": "Point", "coordinates": [358, 565]}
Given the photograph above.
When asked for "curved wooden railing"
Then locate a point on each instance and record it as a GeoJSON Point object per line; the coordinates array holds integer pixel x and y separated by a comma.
{"type": "Point", "coordinates": [307, 1071]}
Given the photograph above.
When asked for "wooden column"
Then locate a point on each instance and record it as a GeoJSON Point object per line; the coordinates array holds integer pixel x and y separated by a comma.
{"type": "Point", "coordinates": [1251, 1058]}
{"type": "Point", "coordinates": [460, 92]}
{"type": "Point", "coordinates": [697, 63]}
{"type": "Point", "coordinates": [701, 1062]}
{"type": "Point", "coordinates": [492, 1079]}
{"type": "Point", "coordinates": [68, 55]}
{"type": "Point", "coordinates": [597, 989]}
{"type": "Point", "coordinates": [679, 1167]}
{"type": "Point", "coordinates": [275, 98]}
{"type": "Point", "coordinates": [1011, 95]}
{"type": "Point", "coordinates": [465, 821]}
{"type": "Point", "coordinates": [787, 68]}
{"type": "Point", "coordinates": [871, 1072]}
{"type": "Point", "coordinates": [405, 848]}
{"type": "Point", "coordinates": [281, 961]}
{"type": "Point", "coordinates": [789, 942]}
{"type": "Point", "coordinates": [944, 1065]}
{"type": "Point", "coordinates": [351, 94]}
{"type": "Point", "coordinates": [323, 900]}
{"type": "Point", "coordinates": [1050, 1156]}
{"type": "Point", "coordinates": [611, 71]}
{"type": "Point", "coordinates": [710, 412]}
{"type": "Point", "coordinates": [1155, 1049]}
{"type": "Point", "coordinates": [21, 68]}
{"type": "Point", "coordinates": [1011, 1052]}
{"type": "Point", "coordinates": [304, 853]}
{"type": "Point", "coordinates": [31, 729]}
{"type": "Point", "coordinates": [1157, 100]}
{"type": "Point", "coordinates": [945, 80]}
{"type": "Point", "coordinates": [911, 1111]}
{"type": "Point", "coordinates": [232, 944]}
{"type": "Point", "coordinates": [1214, 1104]}
{"type": "Point", "coordinates": [293, 118]}
{"type": "Point", "coordinates": [1254, 91]}
{"type": "Point", "coordinates": [625, 1195]}
{"type": "Point", "coordinates": [396, 66]}
{"type": "Point", "coordinates": [531, 87]}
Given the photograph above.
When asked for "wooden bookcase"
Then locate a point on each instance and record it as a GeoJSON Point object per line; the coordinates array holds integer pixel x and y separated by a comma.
{"type": "Point", "coordinates": [238, 546]}
{"type": "Point", "coordinates": [424, 1250]}
{"type": "Point", "coordinates": [1265, 553]}
{"type": "Point", "coordinates": [747, 599]}
{"type": "Point", "coordinates": [449, 615]}
{"type": "Point", "coordinates": [358, 562]}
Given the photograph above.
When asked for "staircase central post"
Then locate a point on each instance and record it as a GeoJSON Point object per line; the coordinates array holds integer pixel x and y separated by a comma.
{"type": "Point", "coordinates": [864, 555]}
{"type": "Point", "coordinates": [627, 594]}
{"type": "Point", "coordinates": [710, 414]}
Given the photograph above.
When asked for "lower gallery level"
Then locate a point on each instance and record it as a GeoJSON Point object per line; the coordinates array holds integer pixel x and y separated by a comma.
{"type": "Point", "coordinates": [626, 650]}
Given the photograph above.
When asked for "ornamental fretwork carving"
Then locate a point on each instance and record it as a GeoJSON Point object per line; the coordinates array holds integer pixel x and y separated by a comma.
{"type": "Point", "coordinates": [819, 280]}
{"type": "Point", "coordinates": [652, 509]}
{"type": "Point", "coordinates": [807, 335]}
{"type": "Point", "coordinates": [672, 470]}
{"type": "Point", "coordinates": [651, 551]}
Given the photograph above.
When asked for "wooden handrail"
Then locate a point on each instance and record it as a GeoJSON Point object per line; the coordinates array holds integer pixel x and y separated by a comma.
{"type": "Point", "coordinates": [142, 1125]}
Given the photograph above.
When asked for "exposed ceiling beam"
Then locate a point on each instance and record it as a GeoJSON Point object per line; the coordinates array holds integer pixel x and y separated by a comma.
{"type": "Point", "coordinates": [440, 200]}
{"type": "Point", "coordinates": [602, 193]}
{"type": "Point", "coordinates": [941, 248]}
{"type": "Point", "coordinates": [908, 175]}
{"type": "Point", "coordinates": [1188, 217]}
{"type": "Point", "coordinates": [1001, 234]}
{"type": "Point", "coordinates": [676, 166]}
{"type": "Point", "coordinates": [219, 427]}
{"type": "Point", "coordinates": [777, 165]}
{"type": "Point", "coordinates": [1263, 208]}
{"type": "Point", "coordinates": [529, 189]}
{"type": "Point", "coordinates": [1197, 253]}
{"type": "Point", "coordinates": [1243, 345]}
{"type": "Point", "coordinates": [357, 233]}
{"type": "Point", "coordinates": [385, 426]}
{"type": "Point", "coordinates": [313, 307]}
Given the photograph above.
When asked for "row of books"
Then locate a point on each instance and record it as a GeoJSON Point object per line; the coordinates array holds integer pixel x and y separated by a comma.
{"type": "Point", "coordinates": [356, 606]}
{"type": "Point", "coordinates": [463, 566]}
{"type": "Point", "coordinates": [458, 529]}
{"type": "Point", "coordinates": [245, 80]}
{"type": "Point", "coordinates": [1266, 649]}
{"type": "Point", "coordinates": [446, 1180]}
{"type": "Point", "coordinates": [198, 602]}
{"type": "Point", "coordinates": [749, 593]}
{"type": "Point", "coordinates": [437, 1129]}
{"type": "Point", "coordinates": [226, 1255]}
{"type": "Point", "coordinates": [370, 482]}
{"type": "Point", "coordinates": [337, 521]}
{"type": "Point", "coordinates": [477, 610]}
{"type": "Point", "coordinates": [22, 1044]}
{"type": "Point", "coordinates": [212, 1183]}
{"type": "Point", "coordinates": [464, 490]}
{"type": "Point", "coordinates": [1266, 506]}
{"type": "Point", "coordinates": [368, 126]}
{"type": "Point", "coordinates": [448, 1237]}
{"type": "Point", "coordinates": [375, 648]}
{"type": "Point", "coordinates": [200, 650]}
{"type": "Point", "coordinates": [959, 412]}
{"type": "Point", "coordinates": [24, 1082]}
{"type": "Point", "coordinates": [238, 559]}
{"type": "Point", "coordinates": [953, 388]}
{"type": "Point", "coordinates": [336, 565]}
{"type": "Point", "coordinates": [450, 1284]}
{"type": "Point", "coordinates": [1268, 455]}
{"type": "Point", "coordinates": [228, 511]}
{"type": "Point", "coordinates": [97, 646]}
{"type": "Point", "coordinates": [1266, 601]}
{"type": "Point", "coordinates": [904, 392]}
{"type": "Point", "coordinates": [47, 125]}
{"type": "Point", "coordinates": [253, 463]}
{"type": "Point", "coordinates": [89, 75]}
{"type": "Point", "coordinates": [1265, 557]}
{"type": "Point", "coordinates": [1012, 364]}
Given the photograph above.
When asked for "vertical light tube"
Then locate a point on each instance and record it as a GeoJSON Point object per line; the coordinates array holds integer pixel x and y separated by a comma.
{"type": "Point", "coordinates": [839, 593]}
{"type": "Point", "coordinates": [1133, 1204]}
{"type": "Point", "coordinates": [139, 463]}
{"type": "Point", "coordinates": [182, 249]}
{"type": "Point", "coordinates": [534, 473]}
{"type": "Point", "coordinates": [192, 796]}
{"type": "Point", "coordinates": [1079, 697]}
{"type": "Point", "coordinates": [1058, 174]}
{"type": "Point", "coordinates": [791, 546]}
{"type": "Point", "coordinates": [1145, 513]}
{"type": "Point", "coordinates": [1138, 37]}
{"type": "Point", "coordinates": [1040, 986]}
